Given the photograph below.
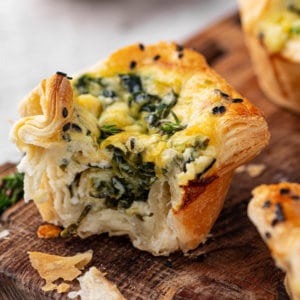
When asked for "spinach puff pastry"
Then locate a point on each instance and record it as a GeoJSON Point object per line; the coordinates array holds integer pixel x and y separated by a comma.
{"type": "Point", "coordinates": [275, 211]}
{"type": "Point", "coordinates": [143, 144]}
{"type": "Point", "coordinates": [272, 31]}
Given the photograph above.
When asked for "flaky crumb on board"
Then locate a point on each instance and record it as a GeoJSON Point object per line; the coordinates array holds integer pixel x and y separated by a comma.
{"type": "Point", "coordinates": [4, 233]}
{"type": "Point", "coordinates": [94, 286]}
{"type": "Point", "coordinates": [48, 231]}
{"type": "Point", "coordinates": [253, 170]}
{"type": "Point", "coordinates": [52, 267]}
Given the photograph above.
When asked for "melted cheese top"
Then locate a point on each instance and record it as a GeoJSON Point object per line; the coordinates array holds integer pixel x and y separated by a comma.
{"type": "Point", "coordinates": [137, 129]}
{"type": "Point", "coordinates": [125, 114]}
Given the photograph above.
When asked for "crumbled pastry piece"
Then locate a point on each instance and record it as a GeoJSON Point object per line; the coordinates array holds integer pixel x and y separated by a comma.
{"type": "Point", "coordinates": [240, 169]}
{"type": "Point", "coordinates": [47, 231]}
{"type": "Point", "coordinates": [52, 267]}
{"type": "Point", "coordinates": [62, 288]}
{"type": "Point", "coordinates": [94, 286]}
{"type": "Point", "coordinates": [4, 233]}
{"type": "Point", "coordinates": [253, 170]}
{"type": "Point", "coordinates": [275, 211]}
{"type": "Point", "coordinates": [144, 144]}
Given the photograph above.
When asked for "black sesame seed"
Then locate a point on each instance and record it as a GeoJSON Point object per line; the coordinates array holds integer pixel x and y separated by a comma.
{"type": "Point", "coordinates": [222, 94]}
{"type": "Point", "coordinates": [76, 127]}
{"type": "Point", "coordinates": [284, 191]}
{"type": "Point", "coordinates": [66, 127]}
{"type": "Point", "coordinates": [268, 235]}
{"type": "Point", "coordinates": [69, 77]}
{"type": "Point", "coordinates": [61, 73]}
{"type": "Point", "coordinates": [222, 109]}
{"type": "Point", "coordinates": [65, 112]}
{"type": "Point", "coordinates": [180, 55]}
{"type": "Point", "coordinates": [132, 64]}
{"type": "Point", "coordinates": [132, 143]}
{"type": "Point", "coordinates": [141, 46]}
{"type": "Point", "coordinates": [156, 57]}
{"type": "Point", "coordinates": [219, 109]}
{"type": "Point", "coordinates": [179, 48]}
{"type": "Point", "coordinates": [88, 132]}
{"type": "Point", "coordinates": [267, 204]}
{"type": "Point", "coordinates": [237, 100]}
{"type": "Point", "coordinates": [279, 214]}
{"type": "Point", "coordinates": [295, 197]}
{"type": "Point", "coordinates": [215, 110]}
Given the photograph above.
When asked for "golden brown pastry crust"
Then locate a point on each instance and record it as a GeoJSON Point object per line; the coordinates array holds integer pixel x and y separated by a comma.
{"type": "Point", "coordinates": [238, 134]}
{"type": "Point", "coordinates": [278, 76]}
{"type": "Point", "coordinates": [278, 73]}
{"type": "Point", "coordinates": [275, 211]}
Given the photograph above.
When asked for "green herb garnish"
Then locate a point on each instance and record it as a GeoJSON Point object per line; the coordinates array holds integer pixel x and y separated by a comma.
{"type": "Point", "coordinates": [11, 190]}
{"type": "Point", "coordinates": [169, 128]}
{"type": "Point", "coordinates": [108, 130]}
{"type": "Point", "coordinates": [161, 110]}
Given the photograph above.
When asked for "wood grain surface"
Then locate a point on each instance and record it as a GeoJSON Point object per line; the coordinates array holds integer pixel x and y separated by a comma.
{"type": "Point", "coordinates": [233, 264]}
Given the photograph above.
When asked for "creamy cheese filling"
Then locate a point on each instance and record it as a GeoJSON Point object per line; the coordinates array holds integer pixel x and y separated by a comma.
{"type": "Point", "coordinates": [137, 139]}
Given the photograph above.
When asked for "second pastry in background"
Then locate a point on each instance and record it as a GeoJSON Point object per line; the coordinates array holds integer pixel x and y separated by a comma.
{"type": "Point", "coordinates": [272, 31]}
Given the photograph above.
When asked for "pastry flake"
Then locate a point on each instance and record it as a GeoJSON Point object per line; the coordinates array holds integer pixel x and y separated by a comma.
{"type": "Point", "coordinates": [52, 267]}
{"type": "Point", "coordinates": [94, 286]}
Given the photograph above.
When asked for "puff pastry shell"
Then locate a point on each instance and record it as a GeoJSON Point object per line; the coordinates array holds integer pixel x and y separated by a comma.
{"type": "Point", "coordinates": [278, 71]}
{"type": "Point", "coordinates": [185, 199]}
{"type": "Point", "coordinates": [275, 211]}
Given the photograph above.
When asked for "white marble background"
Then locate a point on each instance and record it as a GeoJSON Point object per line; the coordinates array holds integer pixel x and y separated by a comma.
{"type": "Point", "coordinates": [39, 37]}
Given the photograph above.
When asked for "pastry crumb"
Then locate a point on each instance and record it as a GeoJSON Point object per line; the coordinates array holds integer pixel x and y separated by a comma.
{"type": "Point", "coordinates": [253, 170]}
{"type": "Point", "coordinates": [94, 286]}
{"type": "Point", "coordinates": [4, 234]}
{"type": "Point", "coordinates": [63, 288]}
{"type": "Point", "coordinates": [52, 267]}
{"type": "Point", "coordinates": [48, 231]}
{"type": "Point", "coordinates": [240, 169]}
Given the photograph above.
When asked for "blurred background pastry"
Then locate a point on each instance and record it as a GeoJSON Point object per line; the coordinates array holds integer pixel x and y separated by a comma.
{"type": "Point", "coordinates": [272, 31]}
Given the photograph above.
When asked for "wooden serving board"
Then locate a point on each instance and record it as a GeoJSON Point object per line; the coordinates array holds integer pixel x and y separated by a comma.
{"type": "Point", "coordinates": [233, 264]}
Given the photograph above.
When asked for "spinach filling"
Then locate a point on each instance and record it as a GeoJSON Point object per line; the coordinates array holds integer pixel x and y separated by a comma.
{"type": "Point", "coordinates": [131, 82]}
{"type": "Point", "coordinates": [131, 180]}
{"type": "Point", "coordinates": [87, 84]}
{"type": "Point", "coordinates": [152, 110]}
